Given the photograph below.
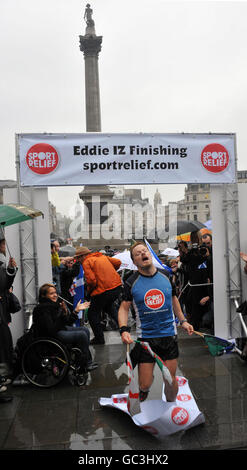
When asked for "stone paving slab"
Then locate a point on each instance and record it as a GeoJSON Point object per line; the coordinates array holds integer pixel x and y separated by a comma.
{"type": "Point", "coordinates": [69, 417]}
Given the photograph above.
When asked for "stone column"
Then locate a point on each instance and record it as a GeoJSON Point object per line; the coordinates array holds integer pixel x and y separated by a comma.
{"type": "Point", "coordinates": [90, 45]}
{"type": "Point", "coordinates": [94, 197]}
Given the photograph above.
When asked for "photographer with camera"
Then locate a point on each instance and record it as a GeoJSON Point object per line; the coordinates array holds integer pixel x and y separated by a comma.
{"type": "Point", "coordinates": [197, 265]}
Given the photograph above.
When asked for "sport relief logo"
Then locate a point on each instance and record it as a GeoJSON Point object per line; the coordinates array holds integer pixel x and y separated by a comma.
{"type": "Point", "coordinates": [42, 158]}
{"type": "Point", "coordinates": [181, 381]}
{"type": "Point", "coordinates": [183, 397]}
{"type": "Point", "coordinates": [215, 158]}
{"type": "Point", "coordinates": [179, 416]}
{"type": "Point", "coordinates": [154, 299]}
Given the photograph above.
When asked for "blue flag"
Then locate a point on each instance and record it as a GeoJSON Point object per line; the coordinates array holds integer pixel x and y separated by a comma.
{"type": "Point", "coordinates": [162, 266]}
{"type": "Point", "coordinates": [78, 289]}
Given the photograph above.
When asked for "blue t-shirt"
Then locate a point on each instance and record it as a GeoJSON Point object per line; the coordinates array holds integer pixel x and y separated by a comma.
{"type": "Point", "coordinates": [151, 297]}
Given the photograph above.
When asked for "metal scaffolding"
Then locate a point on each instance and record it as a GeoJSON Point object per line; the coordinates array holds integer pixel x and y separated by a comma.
{"type": "Point", "coordinates": [232, 250]}
{"type": "Point", "coordinates": [28, 250]}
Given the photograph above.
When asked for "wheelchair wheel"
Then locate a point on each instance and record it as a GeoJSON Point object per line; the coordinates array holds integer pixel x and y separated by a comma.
{"type": "Point", "coordinates": [45, 363]}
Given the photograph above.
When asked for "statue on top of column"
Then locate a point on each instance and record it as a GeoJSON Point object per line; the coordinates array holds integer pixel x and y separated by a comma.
{"type": "Point", "coordinates": [88, 15]}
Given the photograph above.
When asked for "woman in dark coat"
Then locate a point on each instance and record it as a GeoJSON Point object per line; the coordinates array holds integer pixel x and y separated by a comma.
{"type": "Point", "coordinates": [51, 318]}
{"type": "Point", "coordinates": [7, 275]}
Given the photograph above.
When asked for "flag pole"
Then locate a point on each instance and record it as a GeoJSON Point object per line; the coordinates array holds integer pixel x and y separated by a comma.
{"type": "Point", "coordinates": [59, 296]}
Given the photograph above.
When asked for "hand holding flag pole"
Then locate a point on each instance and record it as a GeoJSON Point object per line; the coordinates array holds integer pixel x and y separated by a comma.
{"type": "Point", "coordinates": [133, 403]}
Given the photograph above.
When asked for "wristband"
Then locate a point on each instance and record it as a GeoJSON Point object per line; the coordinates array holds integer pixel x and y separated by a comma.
{"type": "Point", "coordinates": [123, 329]}
{"type": "Point", "coordinates": [183, 321]}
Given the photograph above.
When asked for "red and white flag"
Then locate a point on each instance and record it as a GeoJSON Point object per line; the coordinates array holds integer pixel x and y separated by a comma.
{"type": "Point", "coordinates": [165, 371]}
{"type": "Point", "coordinates": [133, 402]}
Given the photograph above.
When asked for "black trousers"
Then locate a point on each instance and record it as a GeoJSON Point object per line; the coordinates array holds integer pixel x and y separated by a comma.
{"type": "Point", "coordinates": [99, 303]}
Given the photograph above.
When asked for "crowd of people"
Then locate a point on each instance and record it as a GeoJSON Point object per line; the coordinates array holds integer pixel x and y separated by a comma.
{"type": "Point", "coordinates": [193, 276]}
{"type": "Point", "coordinates": [187, 269]}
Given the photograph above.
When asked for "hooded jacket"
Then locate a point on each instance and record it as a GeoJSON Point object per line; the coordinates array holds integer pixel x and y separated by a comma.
{"type": "Point", "coordinates": [100, 273]}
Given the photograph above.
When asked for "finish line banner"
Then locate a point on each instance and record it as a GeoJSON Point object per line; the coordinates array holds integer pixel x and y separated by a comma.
{"type": "Point", "coordinates": [96, 158]}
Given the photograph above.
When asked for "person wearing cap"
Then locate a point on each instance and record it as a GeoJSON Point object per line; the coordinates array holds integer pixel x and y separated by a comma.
{"type": "Point", "coordinates": [104, 285]}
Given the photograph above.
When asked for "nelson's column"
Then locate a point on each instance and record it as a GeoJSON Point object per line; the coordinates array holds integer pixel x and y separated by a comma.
{"type": "Point", "coordinates": [95, 197]}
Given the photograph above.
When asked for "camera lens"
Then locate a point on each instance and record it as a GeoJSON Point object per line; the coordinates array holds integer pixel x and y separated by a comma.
{"type": "Point", "coordinates": [203, 250]}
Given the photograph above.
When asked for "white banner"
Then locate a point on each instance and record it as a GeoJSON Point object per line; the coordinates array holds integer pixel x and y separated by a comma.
{"type": "Point", "coordinates": [159, 417]}
{"type": "Point", "coordinates": [96, 158]}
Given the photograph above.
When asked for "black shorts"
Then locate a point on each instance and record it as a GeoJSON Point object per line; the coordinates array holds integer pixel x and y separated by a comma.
{"type": "Point", "coordinates": [166, 348]}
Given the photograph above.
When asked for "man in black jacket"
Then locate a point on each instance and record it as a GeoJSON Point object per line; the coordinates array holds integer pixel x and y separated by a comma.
{"type": "Point", "coordinates": [7, 275]}
{"type": "Point", "coordinates": [198, 268]}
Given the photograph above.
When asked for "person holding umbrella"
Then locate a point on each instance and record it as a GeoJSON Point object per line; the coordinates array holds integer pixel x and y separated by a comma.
{"type": "Point", "coordinates": [10, 214]}
{"type": "Point", "coordinates": [7, 275]}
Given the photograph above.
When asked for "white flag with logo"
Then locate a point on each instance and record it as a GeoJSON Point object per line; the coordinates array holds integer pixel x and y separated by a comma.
{"type": "Point", "coordinates": [159, 417]}
{"type": "Point", "coordinates": [133, 402]}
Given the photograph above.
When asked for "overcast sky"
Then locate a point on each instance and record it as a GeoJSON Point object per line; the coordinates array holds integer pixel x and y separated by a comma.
{"type": "Point", "coordinates": [165, 66]}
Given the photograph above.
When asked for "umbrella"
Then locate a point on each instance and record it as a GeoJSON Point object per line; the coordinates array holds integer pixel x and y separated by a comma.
{"type": "Point", "coordinates": [126, 261]}
{"type": "Point", "coordinates": [11, 214]}
{"type": "Point", "coordinates": [14, 213]}
{"type": "Point", "coordinates": [170, 252]}
{"type": "Point", "coordinates": [67, 250]}
{"type": "Point", "coordinates": [184, 237]}
{"type": "Point", "coordinates": [185, 226]}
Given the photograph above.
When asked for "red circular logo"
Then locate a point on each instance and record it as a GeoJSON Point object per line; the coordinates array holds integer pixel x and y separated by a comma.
{"type": "Point", "coordinates": [180, 416]}
{"type": "Point", "coordinates": [183, 397]}
{"type": "Point", "coordinates": [215, 158]}
{"type": "Point", "coordinates": [154, 299]}
{"type": "Point", "coordinates": [42, 159]}
{"type": "Point", "coordinates": [181, 381]}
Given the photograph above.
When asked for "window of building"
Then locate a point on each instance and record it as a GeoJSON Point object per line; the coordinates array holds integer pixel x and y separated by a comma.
{"type": "Point", "coordinates": [194, 197]}
{"type": "Point", "coordinates": [195, 216]}
{"type": "Point", "coordinates": [194, 207]}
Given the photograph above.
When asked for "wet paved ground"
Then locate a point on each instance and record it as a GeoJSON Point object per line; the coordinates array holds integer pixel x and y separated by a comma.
{"type": "Point", "coordinates": [68, 417]}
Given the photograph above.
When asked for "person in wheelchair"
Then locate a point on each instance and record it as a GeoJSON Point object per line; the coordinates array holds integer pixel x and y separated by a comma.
{"type": "Point", "coordinates": [52, 319]}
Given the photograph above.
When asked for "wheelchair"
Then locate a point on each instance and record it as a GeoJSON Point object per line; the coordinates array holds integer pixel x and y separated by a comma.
{"type": "Point", "coordinates": [46, 362]}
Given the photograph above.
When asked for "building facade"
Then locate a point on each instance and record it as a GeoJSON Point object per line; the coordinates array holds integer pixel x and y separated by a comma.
{"type": "Point", "coordinates": [196, 203]}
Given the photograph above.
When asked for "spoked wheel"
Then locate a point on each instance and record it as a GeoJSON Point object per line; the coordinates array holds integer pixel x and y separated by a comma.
{"type": "Point", "coordinates": [45, 363]}
{"type": "Point", "coordinates": [77, 377]}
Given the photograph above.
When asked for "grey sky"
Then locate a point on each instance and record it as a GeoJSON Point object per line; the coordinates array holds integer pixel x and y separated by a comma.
{"type": "Point", "coordinates": [165, 66]}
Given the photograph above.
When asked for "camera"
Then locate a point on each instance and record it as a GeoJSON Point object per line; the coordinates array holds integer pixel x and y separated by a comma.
{"type": "Point", "coordinates": [203, 249]}
{"type": "Point", "coordinates": [199, 249]}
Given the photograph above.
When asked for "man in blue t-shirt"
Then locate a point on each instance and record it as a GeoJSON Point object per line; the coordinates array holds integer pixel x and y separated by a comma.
{"type": "Point", "coordinates": [154, 300]}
